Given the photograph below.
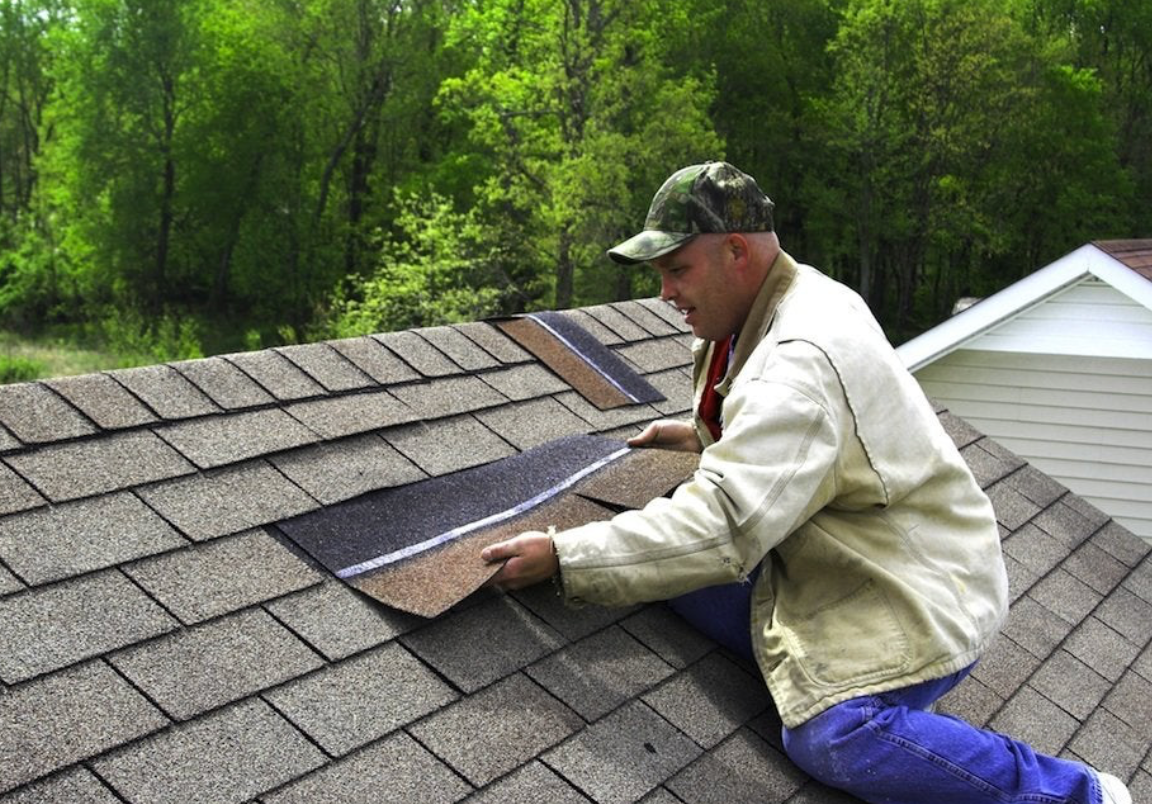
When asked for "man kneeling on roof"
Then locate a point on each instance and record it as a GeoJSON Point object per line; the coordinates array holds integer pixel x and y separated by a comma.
{"type": "Point", "coordinates": [832, 531]}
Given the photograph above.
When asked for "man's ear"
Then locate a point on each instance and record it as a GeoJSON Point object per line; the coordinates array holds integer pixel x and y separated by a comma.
{"type": "Point", "coordinates": [736, 246]}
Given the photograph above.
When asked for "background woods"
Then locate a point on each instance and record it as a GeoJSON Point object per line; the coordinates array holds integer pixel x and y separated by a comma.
{"type": "Point", "coordinates": [187, 176]}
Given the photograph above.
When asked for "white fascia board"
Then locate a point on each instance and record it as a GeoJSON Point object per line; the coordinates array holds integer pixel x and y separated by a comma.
{"type": "Point", "coordinates": [1034, 289]}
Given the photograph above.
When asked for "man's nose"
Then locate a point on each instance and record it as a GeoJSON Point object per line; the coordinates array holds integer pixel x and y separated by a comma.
{"type": "Point", "coordinates": [667, 291]}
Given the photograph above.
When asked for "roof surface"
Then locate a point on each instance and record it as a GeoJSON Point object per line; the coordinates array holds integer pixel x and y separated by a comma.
{"type": "Point", "coordinates": [160, 640]}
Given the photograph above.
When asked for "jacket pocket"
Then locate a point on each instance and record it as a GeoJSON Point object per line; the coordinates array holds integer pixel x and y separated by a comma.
{"type": "Point", "coordinates": [854, 639]}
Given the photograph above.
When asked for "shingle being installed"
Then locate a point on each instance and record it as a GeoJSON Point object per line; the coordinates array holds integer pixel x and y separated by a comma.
{"type": "Point", "coordinates": [416, 547]}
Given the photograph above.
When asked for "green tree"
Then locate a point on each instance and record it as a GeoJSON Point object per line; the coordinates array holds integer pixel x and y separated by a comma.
{"type": "Point", "coordinates": [578, 116]}
{"type": "Point", "coordinates": [440, 267]}
{"type": "Point", "coordinates": [1113, 39]}
{"type": "Point", "coordinates": [932, 125]}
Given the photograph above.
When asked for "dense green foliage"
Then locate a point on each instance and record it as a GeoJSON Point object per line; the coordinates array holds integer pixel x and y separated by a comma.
{"type": "Point", "coordinates": [187, 176]}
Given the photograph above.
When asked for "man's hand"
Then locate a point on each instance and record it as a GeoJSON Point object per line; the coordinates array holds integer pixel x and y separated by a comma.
{"type": "Point", "coordinates": [528, 558]}
{"type": "Point", "coordinates": [668, 434]}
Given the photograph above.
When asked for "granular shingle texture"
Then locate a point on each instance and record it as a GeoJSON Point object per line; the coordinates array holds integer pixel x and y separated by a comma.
{"type": "Point", "coordinates": [163, 640]}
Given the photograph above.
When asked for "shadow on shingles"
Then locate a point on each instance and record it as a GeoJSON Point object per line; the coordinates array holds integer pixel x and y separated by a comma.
{"type": "Point", "coordinates": [417, 548]}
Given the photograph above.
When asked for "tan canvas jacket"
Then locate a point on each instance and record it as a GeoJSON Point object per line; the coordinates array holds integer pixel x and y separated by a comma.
{"type": "Point", "coordinates": [880, 553]}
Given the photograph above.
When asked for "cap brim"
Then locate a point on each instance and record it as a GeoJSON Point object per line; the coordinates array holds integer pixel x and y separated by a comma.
{"type": "Point", "coordinates": [647, 246]}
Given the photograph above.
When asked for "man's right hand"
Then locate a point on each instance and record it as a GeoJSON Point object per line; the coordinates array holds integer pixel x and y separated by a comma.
{"type": "Point", "coordinates": [668, 434]}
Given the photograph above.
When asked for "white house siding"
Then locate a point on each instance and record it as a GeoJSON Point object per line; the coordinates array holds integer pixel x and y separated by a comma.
{"type": "Point", "coordinates": [1084, 420]}
{"type": "Point", "coordinates": [1091, 318]}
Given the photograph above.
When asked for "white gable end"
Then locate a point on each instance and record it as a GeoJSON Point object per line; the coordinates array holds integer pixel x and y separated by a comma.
{"type": "Point", "coordinates": [1089, 319]}
{"type": "Point", "coordinates": [1058, 369]}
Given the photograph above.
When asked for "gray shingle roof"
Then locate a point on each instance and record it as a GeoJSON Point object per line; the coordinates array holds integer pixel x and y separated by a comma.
{"type": "Point", "coordinates": [160, 640]}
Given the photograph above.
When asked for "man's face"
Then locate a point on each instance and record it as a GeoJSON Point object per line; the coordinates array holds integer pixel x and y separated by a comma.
{"type": "Point", "coordinates": [699, 279]}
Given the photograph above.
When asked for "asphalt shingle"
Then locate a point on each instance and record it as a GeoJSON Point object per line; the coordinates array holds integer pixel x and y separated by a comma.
{"type": "Point", "coordinates": [1105, 741]}
{"type": "Point", "coordinates": [1063, 594]}
{"type": "Point", "coordinates": [1005, 667]}
{"type": "Point", "coordinates": [230, 755]}
{"type": "Point", "coordinates": [667, 311]}
{"type": "Point", "coordinates": [1118, 542]}
{"type": "Point", "coordinates": [526, 381]}
{"type": "Point", "coordinates": [276, 374]}
{"type": "Point", "coordinates": [1096, 568]}
{"type": "Point", "coordinates": [483, 643]}
{"type": "Point", "coordinates": [221, 576]}
{"type": "Point", "coordinates": [165, 391]}
{"type": "Point", "coordinates": [710, 700]}
{"type": "Point", "coordinates": [327, 366]}
{"type": "Point", "coordinates": [223, 440]}
{"type": "Point", "coordinates": [648, 319]}
{"type": "Point", "coordinates": [423, 357]}
{"type": "Point", "coordinates": [340, 470]}
{"type": "Point", "coordinates": [498, 729]}
{"type": "Point", "coordinates": [202, 668]}
{"type": "Point", "coordinates": [609, 419]}
{"type": "Point", "coordinates": [1037, 629]}
{"type": "Point", "coordinates": [449, 396]}
{"type": "Point", "coordinates": [103, 400]}
{"type": "Point", "coordinates": [572, 622]}
{"type": "Point", "coordinates": [1065, 523]}
{"type": "Point", "coordinates": [1069, 683]}
{"type": "Point", "coordinates": [596, 329]}
{"type": "Point", "coordinates": [1127, 614]}
{"type": "Point", "coordinates": [1101, 648]}
{"type": "Point", "coordinates": [368, 355]}
{"type": "Point", "coordinates": [351, 703]}
{"type": "Point", "coordinates": [1035, 549]}
{"type": "Point", "coordinates": [337, 621]}
{"type": "Point", "coordinates": [989, 462]}
{"type": "Point", "coordinates": [436, 450]}
{"type": "Point", "coordinates": [9, 583]}
{"type": "Point", "coordinates": [742, 770]}
{"type": "Point", "coordinates": [529, 424]}
{"type": "Point", "coordinates": [396, 770]}
{"type": "Point", "coordinates": [600, 673]}
{"type": "Point", "coordinates": [617, 322]}
{"type": "Point", "coordinates": [340, 416]}
{"type": "Point", "coordinates": [84, 468]}
{"type": "Point", "coordinates": [1031, 717]}
{"type": "Point", "coordinates": [229, 500]}
{"type": "Point", "coordinates": [668, 635]}
{"type": "Point", "coordinates": [676, 386]}
{"type": "Point", "coordinates": [459, 349]}
{"type": "Point", "coordinates": [623, 756]}
{"type": "Point", "coordinates": [494, 342]}
{"type": "Point", "coordinates": [51, 627]}
{"type": "Point", "coordinates": [76, 786]}
{"type": "Point", "coordinates": [53, 543]}
{"type": "Point", "coordinates": [1013, 509]}
{"type": "Point", "coordinates": [35, 415]}
{"type": "Point", "coordinates": [67, 717]}
{"type": "Point", "coordinates": [1131, 701]}
{"type": "Point", "coordinates": [534, 783]}
{"type": "Point", "coordinates": [223, 383]}
{"type": "Point", "coordinates": [15, 493]}
{"type": "Point", "coordinates": [651, 356]}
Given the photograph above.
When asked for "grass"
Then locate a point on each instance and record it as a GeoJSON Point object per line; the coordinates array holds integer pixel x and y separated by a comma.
{"type": "Point", "coordinates": [48, 357]}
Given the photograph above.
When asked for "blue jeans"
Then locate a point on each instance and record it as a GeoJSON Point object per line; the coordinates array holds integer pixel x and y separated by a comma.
{"type": "Point", "coordinates": [888, 749]}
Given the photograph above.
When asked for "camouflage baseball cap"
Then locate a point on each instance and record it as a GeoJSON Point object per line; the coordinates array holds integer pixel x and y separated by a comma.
{"type": "Point", "coordinates": [711, 197]}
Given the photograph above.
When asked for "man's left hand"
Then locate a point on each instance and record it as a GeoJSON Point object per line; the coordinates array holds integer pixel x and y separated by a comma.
{"type": "Point", "coordinates": [529, 559]}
